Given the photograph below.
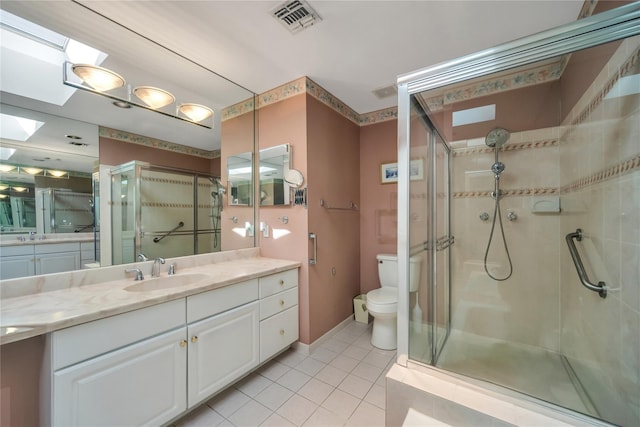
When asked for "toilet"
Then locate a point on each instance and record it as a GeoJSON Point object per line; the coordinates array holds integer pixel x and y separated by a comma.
{"type": "Point", "coordinates": [382, 303]}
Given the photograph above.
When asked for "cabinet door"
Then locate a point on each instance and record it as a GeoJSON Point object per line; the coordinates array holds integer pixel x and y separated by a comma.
{"type": "Point", "coordinates": [16, 266]}
{"type": "Point", "coordinates": [222, 349]}
{"type": "Point", "coordinates": [141, 384]}
{"type": "Point", "coordinates": [57, 262]}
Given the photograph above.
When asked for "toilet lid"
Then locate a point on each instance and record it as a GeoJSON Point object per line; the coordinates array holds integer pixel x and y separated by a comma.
{"type": "Point", "coordinates": [383, 296]}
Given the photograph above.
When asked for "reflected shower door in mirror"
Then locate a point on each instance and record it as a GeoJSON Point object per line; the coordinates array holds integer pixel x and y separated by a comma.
{"type": "Point", "coordinates": [67, 124]}
{"type": "Point", "coordinates": [275, 162]}
{"type": "Point", "coordinates": [162, 213]}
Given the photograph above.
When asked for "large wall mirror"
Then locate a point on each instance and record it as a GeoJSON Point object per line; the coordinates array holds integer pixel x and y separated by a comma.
{"type": "Point", "coordinates": [60, 127]}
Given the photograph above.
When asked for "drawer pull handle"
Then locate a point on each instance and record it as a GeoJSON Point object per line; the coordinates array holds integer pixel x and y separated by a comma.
{"type": "Point", "coordinates": [281, 331]}
{"type": "Point", "coordinates": [281, 282]}
{"type": "Point", "coordinates": [281, 302]}
{"type": "Point", "coordinates": [183, 343]}
{"type": "Point", "coordinates": [194, 339]}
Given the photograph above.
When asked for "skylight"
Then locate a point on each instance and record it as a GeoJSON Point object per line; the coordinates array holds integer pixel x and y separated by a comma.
{"type": "Point", "coordinates": [17, 128]}
{"type": "Point", "coordinates": [6, 153]}
{"type": "Point", "coordinates": [32, 30]}
{"type": "Point", "coordinates": [627, 85]}
{"type": "Point", "coordinates": [474, 115]}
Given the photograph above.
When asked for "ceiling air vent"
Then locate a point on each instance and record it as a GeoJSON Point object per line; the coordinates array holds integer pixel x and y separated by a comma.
{"type": "Point", "coordinates": [385, 92]}
{"type": "Point", "coordinates": [295, 15]}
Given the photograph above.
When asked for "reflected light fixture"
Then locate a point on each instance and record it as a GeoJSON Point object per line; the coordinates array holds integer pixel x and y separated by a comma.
{"type": "Point", "coordinates": [57, 174]}
{"type": "Point", "coordinates": [6, 168]}
{"type": "Point", "coordinates": [195, 112]}
{"type": "Point", "coordinates": [3, 196]}
{"type": "Point", "coordinates": [153, 96]}
{"type": "Point", "coordinates": [20, 189]}
{"type": "Point", "coordinates": [98, 78]}
{"type": "Point", "coordinates": [3, 187]}
{"type": "Point", "coordinates": [31, 171]}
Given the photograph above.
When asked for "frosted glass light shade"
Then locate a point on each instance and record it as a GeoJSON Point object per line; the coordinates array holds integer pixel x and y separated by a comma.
{"type": "Point", "coordinates": [153, 96]}
{"type": "Point", "coordinates": [195, 112]}
{"type": "Point", "coordinates": [57, 174]}
{"type": "Point", "coordinates": [31, 171]}
{"type": "Point", "coordinates": [98, 78]}
{"type": "Point", "coordinates": [6, 168]}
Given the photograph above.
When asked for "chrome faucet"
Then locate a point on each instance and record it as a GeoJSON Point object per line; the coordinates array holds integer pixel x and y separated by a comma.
{"type": "Point", "coordinates": [155, 268]}
{"type": "Point", "coordinates": [142, 257]}
{"type": "Point", "coordinates": [139, 275]}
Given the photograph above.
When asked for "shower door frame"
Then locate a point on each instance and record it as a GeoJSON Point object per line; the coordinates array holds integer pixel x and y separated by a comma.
{"type": "Point", "coordinates": [609, 26]}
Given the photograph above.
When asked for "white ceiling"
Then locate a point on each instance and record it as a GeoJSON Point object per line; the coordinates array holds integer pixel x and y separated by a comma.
{"type": "Point", "coordinates": [359, 46]}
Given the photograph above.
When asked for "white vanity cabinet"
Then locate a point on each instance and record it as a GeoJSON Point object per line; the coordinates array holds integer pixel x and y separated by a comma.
{"type": "Point", "coordinates": [222, 347]}
{"type": "Point", "coordinates": [278, 312]}
{"type": "Point", "coordinates": [148, 366]}
{"type": "Point", "coordinates": [43, 258]}
{"type": "Point", "coordinates": [107, 372]}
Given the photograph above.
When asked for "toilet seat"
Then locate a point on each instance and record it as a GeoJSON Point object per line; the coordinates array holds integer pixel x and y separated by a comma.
{"type": "Point", "coordinates": [383, 300]}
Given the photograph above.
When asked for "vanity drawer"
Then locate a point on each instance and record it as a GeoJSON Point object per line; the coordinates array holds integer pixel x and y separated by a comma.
{"type": "Point", "coordinates": [218, 300]}
{"type": "Point", "coordinates": [16, 250]}
{"type": "Point", "coordinates": [278, 303]}
{"type": "Point", "coordinates": [278, 282]}
{"type": "Point", "coordinates": [277, 332]}
{"type": "Point", "coordinates": [82, 342]}
{"type": "Point", "coordinates": [51, 248]}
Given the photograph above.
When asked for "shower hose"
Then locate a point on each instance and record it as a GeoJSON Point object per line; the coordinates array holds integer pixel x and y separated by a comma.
{"type": "Point", "coordinates": [498, 215]}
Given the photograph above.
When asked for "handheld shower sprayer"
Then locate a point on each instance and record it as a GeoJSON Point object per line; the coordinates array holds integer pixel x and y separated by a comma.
{"type": "Point", "coordinates": [495, 139]}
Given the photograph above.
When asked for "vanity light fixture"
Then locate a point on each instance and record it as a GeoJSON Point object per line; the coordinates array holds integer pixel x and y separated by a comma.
{"type": "Point", "coordinates": [3, 187]}
{"type": "Point", "coordinates": [31, 171]}
{"type": "Point", "coordinates": [57, 173]}
{"type": "Point", "coordinates": [153, 96]}
{"type": "Point", "coordinates": [20, 189]}
{"type": "Point", "coordinates": [3, 196]}
{"type": "Point", "coordinates": [6, 168]}
{"type": "Point", "coordinates": [195, 112]}
{"type": "Point", "coordinates": [150, 98]}
{"type": "Point", "coordinates": [100, 79]}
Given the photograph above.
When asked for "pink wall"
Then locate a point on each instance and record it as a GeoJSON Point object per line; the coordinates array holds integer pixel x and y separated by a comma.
{"type": "Point", "coordinates": [334, 175]}
{"type": "Point", "coordinates": [285, 123]}
{"type": "Point", "coordinates": [378, 202]}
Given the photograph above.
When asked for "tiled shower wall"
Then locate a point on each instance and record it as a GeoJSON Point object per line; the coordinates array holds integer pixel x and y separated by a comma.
{"type": "Point", "coordinates": [523, 308]}
{"type": "Point", "coordinates": [600, 190]}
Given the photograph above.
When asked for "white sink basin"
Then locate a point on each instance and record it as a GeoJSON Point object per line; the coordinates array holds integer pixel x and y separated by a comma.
{"type": "Point", "coordinates": [167, 282]}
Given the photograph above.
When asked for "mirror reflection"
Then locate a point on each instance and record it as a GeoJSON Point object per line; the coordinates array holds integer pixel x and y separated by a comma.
{"type": "Point", "coordinates": [240, 178]}
{"type": "Point", "coordinates": [275, 162]}
{"type": "Point", "coordinates": [81, 135]}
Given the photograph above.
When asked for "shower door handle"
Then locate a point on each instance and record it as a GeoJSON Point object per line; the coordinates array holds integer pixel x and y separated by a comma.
{"type": "Point", "coordinates": [314, 260]}
{"type": "Point", "coordinates": [600, 288]}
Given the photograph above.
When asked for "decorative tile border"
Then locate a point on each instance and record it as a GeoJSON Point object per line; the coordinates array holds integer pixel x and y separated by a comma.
{"type": "Point", "coordinates": [145, 204]}
{"type": "Point", "coordinates": [305, 85]}
{"type": "Point", "coordinates": [146, 141]}
{"type": "Point", "coordinates": [509, 147]}
{"type": "Point", "coordinates": [506, 193]}
{"type": "Point", "coordinates": [624, 167]}
{"type": "Point", "coordinates": [166, 180]}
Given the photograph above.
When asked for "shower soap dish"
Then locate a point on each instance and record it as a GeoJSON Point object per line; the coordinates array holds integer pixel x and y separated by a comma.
{"type": "Point", "coordinates": [545, 204]}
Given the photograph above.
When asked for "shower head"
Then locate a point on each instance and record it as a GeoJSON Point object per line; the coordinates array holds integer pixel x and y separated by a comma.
{"type": "Point", "coordinates": [497, 138]}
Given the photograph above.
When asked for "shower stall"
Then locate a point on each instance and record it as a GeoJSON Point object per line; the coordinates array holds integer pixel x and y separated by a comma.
{"type": "Point", "coordinates": [163, 212]}
{"type": "Point", "coordinates": [528, 219]}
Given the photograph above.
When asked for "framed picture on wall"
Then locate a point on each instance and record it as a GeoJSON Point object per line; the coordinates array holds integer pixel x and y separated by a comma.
{"type": "Point", "coordinates": [389, 171]}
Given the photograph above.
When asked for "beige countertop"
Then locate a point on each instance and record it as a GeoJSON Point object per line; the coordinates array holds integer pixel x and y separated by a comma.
{"type": "Point", "coordinates": [12, 240]}
{"type": "Point", "coordinates": [48, 308]}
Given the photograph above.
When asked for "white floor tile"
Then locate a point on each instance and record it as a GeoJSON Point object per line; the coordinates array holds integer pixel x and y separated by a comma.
{"type": "Point", "coordinates": [274, 396]}
{"type": "Point", "coordinates": [324, 418]}
{"type": "Point", "coordinates": [376, 396]}
{"type": "Point", "coordinates": [291, 358]}
{"type": "Point", "coordinates": [356, 352]}
{"type": "Point", "coordinates": [274, 370]}
{"type": "Point", "coordinates": [323, 355]}
{"type": "Point", "coordinates": [253, 384]}
{"type": "Point", "coordinates": [201, 417]}
{"type": "Point", "coordinates": [344, 363]}
{"type": "Point", "coordinates": [379, 358]}
{"type": "Point", "coordinates": [367, 415]}
{"type": "Point", "coordinates": [341, 403]}
{"type": "Point", "coordinates": [297, 409]}
{"type": "Point", "coordinates": [310, 366]}
{"type": "Point", "coordinates": [251, 414]}
{"type": "Point", "coordinates": [276, 420]}
{"type": "Point", "coordinates": [293, 380]}
{"type": "Point", "coordinates": [228, 402]}
{"type": "Point", "coordinates": [335, 345]}
{"type": "Point", "coordinates": [330, 375]}
{"type": "Point", "coordinates": [316, 391]}
{"type": "Point", "coordinates": [367, 371]}
{"type": "Point", "coordinates": [355, 386]}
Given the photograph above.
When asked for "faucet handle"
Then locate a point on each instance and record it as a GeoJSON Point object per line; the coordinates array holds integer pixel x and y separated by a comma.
{"type": "Point", "coordinates": [139, 275]}
{"type": "Point", "coordinates": [172, 269]}
{"type": "Point", "coordinates": [142, 257]}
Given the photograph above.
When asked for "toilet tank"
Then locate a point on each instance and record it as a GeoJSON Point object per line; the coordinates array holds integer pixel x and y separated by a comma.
{"type": "Point", "coordinates": [388, 271]}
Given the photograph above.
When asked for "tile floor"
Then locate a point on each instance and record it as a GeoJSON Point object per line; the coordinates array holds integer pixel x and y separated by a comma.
{"type": "Point", "coordinates": [341, 383]}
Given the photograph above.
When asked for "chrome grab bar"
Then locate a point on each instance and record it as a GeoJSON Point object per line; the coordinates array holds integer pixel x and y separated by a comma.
{"type": "Point", "coordinates": [314, 260]}
{"type": "Point", "coordinates": [600, 288]}
{"type": "Point", "coordinates": [157, 239]}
